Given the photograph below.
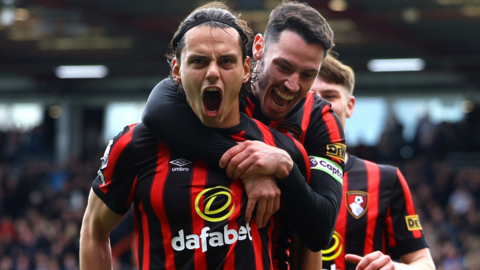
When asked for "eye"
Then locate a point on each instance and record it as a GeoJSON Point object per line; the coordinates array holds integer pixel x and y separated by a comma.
{"type": "Point", "coordinates": [308, 76]}
{"type": "Point", "coordinates": [198, 61]}
{"type": "Point", "coordinates": [328, 97]}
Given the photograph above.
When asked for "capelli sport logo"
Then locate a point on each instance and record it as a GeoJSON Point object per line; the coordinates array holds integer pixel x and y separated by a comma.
{"type": "Point", "coordinates": [215, 204]}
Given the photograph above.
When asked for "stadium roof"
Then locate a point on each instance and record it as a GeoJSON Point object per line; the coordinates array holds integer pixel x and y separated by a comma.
{"type": "Point", "coordinates": [131, 38]}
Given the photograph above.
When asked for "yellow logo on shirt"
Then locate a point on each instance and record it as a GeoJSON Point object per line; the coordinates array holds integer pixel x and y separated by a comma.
{"type": "Point", "coordinates": [337, 150]}
{"type": "Point", "coordinates": [413, 223]}
{"type": "Point", "coordinates": [215, 204]}
{"type": "Point", "coordinates": [336, 248]}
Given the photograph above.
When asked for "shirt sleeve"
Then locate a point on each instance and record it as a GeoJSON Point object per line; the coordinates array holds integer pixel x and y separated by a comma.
{"type": "Point", "coordinates": [317, 204]}
{"type": "Point", "coordinates": [404, 230]}
{"type": "Point", "coordinates": [168, 117]}
{"type": "Point", "coordinates": [115, 182]}
{"type": "Point", "coordinates": [311, 209]}
{"type": "Point", "coordinates": [311, 197]}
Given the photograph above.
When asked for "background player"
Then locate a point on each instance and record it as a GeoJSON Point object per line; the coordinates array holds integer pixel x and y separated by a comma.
{"type": "Point", "coordinates": [188, 215]}
{"type": "Point", "coordinates": [377, 219]}
{"type": "Point", "coordinates": [286, 69]}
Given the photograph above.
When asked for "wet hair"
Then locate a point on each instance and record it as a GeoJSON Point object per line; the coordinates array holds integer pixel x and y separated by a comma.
{"type": "Point", "coordinates": [301, 19]}
{"type": "Point", "coordinates": [214, 15]}
{"type": "Point", "coordinates": [333, 71]}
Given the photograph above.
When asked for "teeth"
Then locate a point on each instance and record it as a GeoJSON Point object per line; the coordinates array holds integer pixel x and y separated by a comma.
{"type": "Point", "coordinates": [211, 89]}
{"type": "Point", "coordinates": [277, 106]}
{"type": "Point", "coordinates": [284, 96]}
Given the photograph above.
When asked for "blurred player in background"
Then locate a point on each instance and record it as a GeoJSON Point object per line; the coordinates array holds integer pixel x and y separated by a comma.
{"type": "Point", "coordinates": [377, 219]}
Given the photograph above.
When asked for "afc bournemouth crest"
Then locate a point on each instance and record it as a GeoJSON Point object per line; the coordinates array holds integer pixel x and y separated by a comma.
{"type": "Point", "coordinates": [357, 203]}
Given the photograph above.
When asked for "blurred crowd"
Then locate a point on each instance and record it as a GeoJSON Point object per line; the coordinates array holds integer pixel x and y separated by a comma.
{"type": "Point", "coordinates": [42, 203]}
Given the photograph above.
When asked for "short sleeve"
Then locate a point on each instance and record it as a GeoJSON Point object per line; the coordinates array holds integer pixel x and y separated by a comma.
{"type": "Point", "coordinates": [115, 182]}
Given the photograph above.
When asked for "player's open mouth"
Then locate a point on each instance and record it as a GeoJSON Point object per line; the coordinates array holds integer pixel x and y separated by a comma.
{"type": "Point", "coordinates": [281, 99]}
{"type": "Point", "coordinates": [212, 100]}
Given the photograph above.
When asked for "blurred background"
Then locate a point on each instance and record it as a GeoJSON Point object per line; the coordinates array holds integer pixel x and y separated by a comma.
{"type": "Point", "coordinates": [420, 113]}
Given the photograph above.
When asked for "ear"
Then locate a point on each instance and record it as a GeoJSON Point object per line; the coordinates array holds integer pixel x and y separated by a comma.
{"type": "Point", "coordinates": [246, 70]}
{"type": "Point", "coordinates": [258, 47]}
{"type": "Point", "coordinates": [176, 70]}
{"type": "Point", "coordinates": [350, 106]}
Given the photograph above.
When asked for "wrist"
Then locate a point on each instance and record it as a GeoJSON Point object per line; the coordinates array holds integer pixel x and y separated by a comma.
{"type": "Point", "coordinates": [285, 169]}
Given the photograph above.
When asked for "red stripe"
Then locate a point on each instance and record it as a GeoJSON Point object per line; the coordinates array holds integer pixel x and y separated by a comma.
{"type": "Point", "coordinates": [373, 176]}
{"type": "Point", "coordinates": [146, 240]}
{"type": "Point", "coordinates": [115, 153]}
{"type": "Point", "coordinates": [157, 199]}
{"type": "Point", "coordinates": [239, 137]}
{"type": "Point", "coordinates": [408, 201]}
{"type": "Point", "coordinates": [250, 108]}
{"type": "Point", "coordinates": [332, 126]}
{"type": "Point", "coordinates": [131, 194]}
{"type": "Point", "coordinates": [270, 236]}
{"type": "Point", "coordinates": [307, 110]}
{"type": "Point", "coordinates": [199, 180]}
{"type": "Point", "coordinates": [341, 226]}
{"type": "Point", "coordinates": [237, 188]}
{"type": "Point", "coordinates": [305, 157]}
{"type": "Point", "coordinates": [257, 246]}
{"type": "Point", "coordinates": [389, 224]}
{"type": "Point", "coordinates": [274, 124]}
{"type": "Point", "coordinates": [266, 132]}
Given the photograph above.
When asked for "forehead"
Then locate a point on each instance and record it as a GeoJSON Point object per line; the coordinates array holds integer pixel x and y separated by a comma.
{"type": "Point", "coordinates": [206, 40]}
{"type": "Point", "coordinates": [321, 86]}
{"type": "Point", "coordinates": [293, 48]}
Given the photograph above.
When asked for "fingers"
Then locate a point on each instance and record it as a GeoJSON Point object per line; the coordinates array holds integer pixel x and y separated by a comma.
{"type": "Point", "coordinates": [238, 164]}
{"type": "Point", "coordinates": [269, 210]}
{"type": "Point", "coordinates": [264, 196]}
{"type": "Point", "coordinates": [231, 153]}
{"type": "Point", "coordinates": [373, 261]}
{"type": "Point", "coordinates": [261, 209]}
{"type": "Point", "coordinates": [352, 258]}
{"type": "Point", "coordinates": [249, 209]}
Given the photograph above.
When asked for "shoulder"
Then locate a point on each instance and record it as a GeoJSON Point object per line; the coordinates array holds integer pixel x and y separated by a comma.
{"type": "Point", "coordinates": [386, 172]}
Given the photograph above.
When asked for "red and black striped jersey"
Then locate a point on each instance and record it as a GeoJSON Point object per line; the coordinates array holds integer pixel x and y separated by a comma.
{"type": "Point", "coordinates": [312, 209]}
{"type": "Point", "coordinates": [377, 213]}
{"type": "Point", "coordinates": [188, 214]}
{"type": "Point", "coordinates": [312, 122]}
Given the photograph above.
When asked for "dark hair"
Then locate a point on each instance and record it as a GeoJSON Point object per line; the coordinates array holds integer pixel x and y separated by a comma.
{"type": "Point", "coordinates": [333, 71]}
{"type": "Point", "coordinates": [302, 19]}
{"type": "Point", "coordinates": [214, 15]}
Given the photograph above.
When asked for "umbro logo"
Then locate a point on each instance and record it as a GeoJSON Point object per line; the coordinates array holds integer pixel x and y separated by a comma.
{"type": "Point", "coordinates": [180, 163]}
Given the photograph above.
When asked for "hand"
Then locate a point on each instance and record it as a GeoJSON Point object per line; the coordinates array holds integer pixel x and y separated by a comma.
{"type": "Point", "coordinates": [255, 157]}
{"type": "Point", "coordinates": [263, 191]}
{"type": "Point", "coordinates": [373, 261]}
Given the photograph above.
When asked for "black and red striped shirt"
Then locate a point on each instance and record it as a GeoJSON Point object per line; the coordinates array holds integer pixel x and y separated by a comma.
{"type": "Point", "coordinates": [188, 214]}
{"type": "Point", "coordinates": [377, 213]}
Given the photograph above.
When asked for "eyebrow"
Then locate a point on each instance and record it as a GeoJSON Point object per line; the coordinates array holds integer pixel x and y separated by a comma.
{"type": "Point", "coordinates": [205, 57]}
{"type": "Point", "coordinates": [285, 61]}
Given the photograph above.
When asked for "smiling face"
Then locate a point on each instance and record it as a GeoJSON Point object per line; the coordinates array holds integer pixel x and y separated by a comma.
{"type": "Point", "coordinates": [287, 70]}
{"type": "Point", "coordinates": [338, 95]}
{"type": "Point", "coordinates": [211, 71]}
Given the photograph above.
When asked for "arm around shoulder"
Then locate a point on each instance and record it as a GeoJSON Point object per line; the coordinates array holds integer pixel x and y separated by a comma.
{"type": "Point", "coordinates": [98, 221]}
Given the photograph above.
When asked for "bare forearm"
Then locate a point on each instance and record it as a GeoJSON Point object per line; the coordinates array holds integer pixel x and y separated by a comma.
{"type": "Point", "coordinates": [423, 264]}
{"type": "Point", "coordinates": [95, 254]}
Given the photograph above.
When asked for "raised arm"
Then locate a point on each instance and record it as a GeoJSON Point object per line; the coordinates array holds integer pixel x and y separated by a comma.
{"type": "Point", "coordinates": [169, 117]}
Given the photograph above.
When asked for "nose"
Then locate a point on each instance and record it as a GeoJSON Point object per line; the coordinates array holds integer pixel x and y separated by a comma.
{"type": "Point", "coordinates": [212, 72]}
{"type": "Point", "coordinates": [292, 83]}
